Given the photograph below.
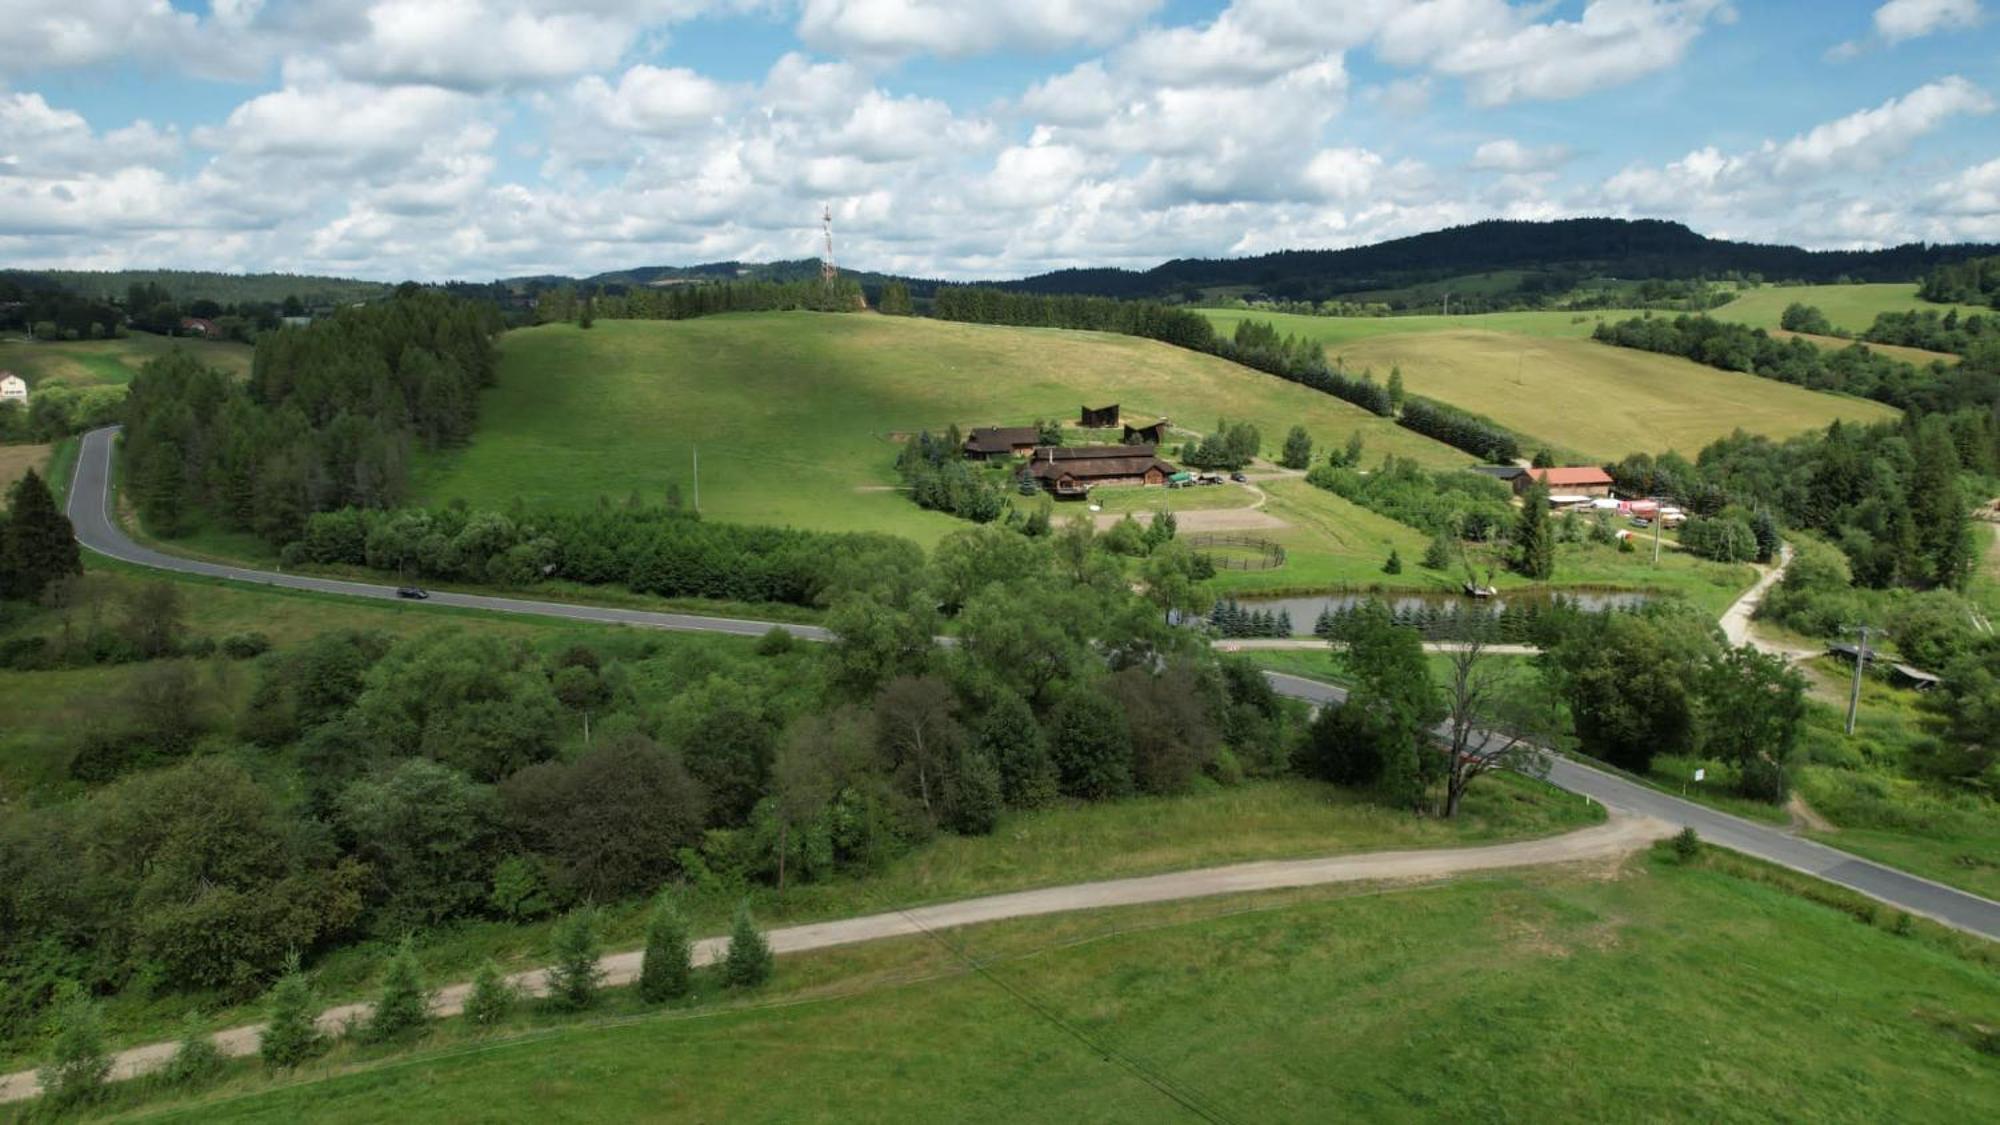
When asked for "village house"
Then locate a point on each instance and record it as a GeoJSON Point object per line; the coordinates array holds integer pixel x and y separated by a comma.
{"type": "Point", "coordinates": [1072, 471]}
{"type": "Point", "coordinates": [1098, 417]}
{"type": "Point", "coordinates": [989, 443]}
{"type": "Point", "coordinates": [1587, 482]}
{"type": "Point", "coordinates": [13, 388]}
{"type": "Point", "coordinates": [1152, 432]}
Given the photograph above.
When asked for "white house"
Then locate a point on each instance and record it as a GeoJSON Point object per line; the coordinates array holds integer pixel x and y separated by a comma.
{"type": "Point", "coordinates": [13, 388]}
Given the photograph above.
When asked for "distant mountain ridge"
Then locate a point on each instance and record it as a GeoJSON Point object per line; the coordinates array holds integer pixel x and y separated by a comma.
{"type": "Point", "coordinates": [1552, 254]}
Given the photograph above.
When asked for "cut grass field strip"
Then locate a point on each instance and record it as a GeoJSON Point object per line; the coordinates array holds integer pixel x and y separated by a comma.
{"type": "Point", "coordinates": [1851, 308]}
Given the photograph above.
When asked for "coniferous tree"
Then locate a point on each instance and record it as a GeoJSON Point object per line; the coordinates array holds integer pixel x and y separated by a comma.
{"type": "Point", "coordinates": [1938, 509]}
{"type": "Point", "coordinates": [405, 1004]}
{"type": "Point", "coordinates": [78, 1062]}
{"type": "Point", "coordinates": [575, 975]}
{"type": "Point", "coordinates": [668, 969]}
{"type": "Point", "coordinates": [1534, 539]}
{"type": "Point", "coordinates": [1437, 555]}
{"type": "Point", "coordinates": [1395, 563]}
{"type": "Point", "coordinates": [292, 1035]}
{"type": "Point", "coordinates": [37, 543]}
{"type": "Point", "coordinates": [1298, 449]}
{"type": "Point", "coordinates": [492, 997]}
{"type": "Point", "coordinates": [1396, 392]}
{"type": "Point", "coordinates": [749, 961]}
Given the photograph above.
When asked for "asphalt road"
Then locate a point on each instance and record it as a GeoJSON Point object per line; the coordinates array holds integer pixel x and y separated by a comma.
{"type": "Point", "coordinates": [90, 508]}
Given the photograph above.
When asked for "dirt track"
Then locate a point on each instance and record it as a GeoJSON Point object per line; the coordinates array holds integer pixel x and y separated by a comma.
{"type": "Point", "coordinates": [1618, 836]}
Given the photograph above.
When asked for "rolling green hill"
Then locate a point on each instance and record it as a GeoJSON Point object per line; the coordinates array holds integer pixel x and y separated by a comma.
{"type": "Point", "coordinates": [1851, 308]}
{"type": "Point", "coordinates": [84, 363]}
{"type": "Point", "coordinates": [796, 415]}
{"type": "Point", "coordinates": [1605, 401]}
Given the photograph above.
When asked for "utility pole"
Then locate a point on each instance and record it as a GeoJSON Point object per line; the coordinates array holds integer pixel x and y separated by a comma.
{"type": "Point", "coordinates": [1447, 303]}
{"type": "Point", "coordinates": [1860, 661]}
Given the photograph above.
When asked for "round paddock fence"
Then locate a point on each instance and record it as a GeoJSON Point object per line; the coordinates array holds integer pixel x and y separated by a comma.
{"type": "Point", "coordinates": [1229, 551]}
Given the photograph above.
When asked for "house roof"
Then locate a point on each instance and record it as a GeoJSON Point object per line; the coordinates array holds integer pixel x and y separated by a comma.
{"type": "Point", "coordinates": [1086, 461]}
{"type": "Point", "coordinates": [1587, 475]}
{"type": "Point", "coordinates": [1001, 439]}
{"type": "Point", "coordinates": [1498, 472]}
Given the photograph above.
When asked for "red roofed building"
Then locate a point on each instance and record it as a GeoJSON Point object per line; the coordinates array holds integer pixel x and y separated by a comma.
{"type": "Point", "coordinates": [1588, 481]}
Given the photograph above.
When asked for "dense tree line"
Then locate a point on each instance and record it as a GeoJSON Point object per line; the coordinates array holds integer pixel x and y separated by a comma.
{"type": "Point", "coordinates": [1302, 360]}
{"type": "Point", "coordinates": [56, 411]}
{"type": "Point", "coordinates": [1974, 281]}
{"type": "Point", "coordinates": [203, 285]}
{"type": "Point", "coordinates": [935, 471]}
{"type": "Point", "coordinates": [327, 419]}
{"type": "Point", "coordinates": [1448, 502]}
{"type": "Point", "coordinates": [1853, 370]}
{"type": "Point", "coordinates": [1975, 337]}
{"type": "Point", "coordinates": [685, 302]}
{"type": "Point", "coordinates": [29, 303]}
{"type": "Point", "coordinates": [982, 305]}
{"type": "Point", "coordinates": [1481, 437]}
{"type": "Point", "coordinates": [649, 549]}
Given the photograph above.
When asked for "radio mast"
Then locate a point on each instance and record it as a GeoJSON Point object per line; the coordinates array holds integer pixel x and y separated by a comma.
{"type": "Point", "coordinates": [827, 272]}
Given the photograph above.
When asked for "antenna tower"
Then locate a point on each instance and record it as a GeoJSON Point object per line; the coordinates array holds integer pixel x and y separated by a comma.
{"type": "Point", "coordinates": [827, 272]}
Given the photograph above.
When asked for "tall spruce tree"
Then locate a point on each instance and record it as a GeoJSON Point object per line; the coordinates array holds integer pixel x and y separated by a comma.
{"type": "Point", "coordinates": [574, 977]}
{"type": "Point", "coordinates": [1534, 539]}
{"type": "Point", "coordinates": [1938, 510]}
{"type": "Point", "coordinates": [668, 969]}
{"type": "Point", "coordinates": [405, 1004]}
{"type": "Point", "coordinates": [292, 1034]}
{"type": "Point", "coordinates": [37, 543]}
{"type": "Point", "coordinates": [749, 961]}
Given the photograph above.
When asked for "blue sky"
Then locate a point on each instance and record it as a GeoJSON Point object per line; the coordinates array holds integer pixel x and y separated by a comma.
{"type": "Point", "coordinates": [482, 138]}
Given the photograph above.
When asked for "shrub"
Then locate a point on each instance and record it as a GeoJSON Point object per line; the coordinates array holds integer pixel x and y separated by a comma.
{"type": "Point", "coordinates": [1687, 844]}
{"type": "Point", "coordinates": [668, 969]}
{"type": "Point", "coordinates": [1394, 565]}
{"type": "Point", "coordinates": [78, 1062]}
{"type": "Point", "coordinates": [196, 1060]}
{"type": "Point", "coordinates": [749, 961]}
{"type": "Point", "coordinates": [244, 646]}
{"type": "Point", "coordinates": [977, 803]}
{"type": "Point", "coordinates": [574, 976]}
{"type": "Point", "coordinates": [492, 997]}
{"type": "Point", "coordinates": [776, 641]}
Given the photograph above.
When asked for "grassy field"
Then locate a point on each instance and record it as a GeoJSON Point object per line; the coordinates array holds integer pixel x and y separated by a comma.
{"type": "Point", "coordinates": [1652, 992]}
{"type": "Point", "coordinates": [1601, 400]}
{"type": "Point", "coordinates": [794, 413]}
{"type": "Point", "coordinates": [1852, 308]}
{"type": "Point", "coordinates": [83, 363]}
{"type": "Point", "coordinates": [1918, 356]}
{"type": "Point", "coordinates": [16, 460]}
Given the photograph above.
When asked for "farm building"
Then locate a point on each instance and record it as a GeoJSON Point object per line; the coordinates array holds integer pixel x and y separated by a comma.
{"type": "Point", "coordinates": [1146, 432]}
{"type": "Point", "coordinates": [199, 326]}
{"type": "Point", "coordinates": [1075, 470]}
{"type": "Point", "coordinates": [13, 388]}
{"type": "Point", "coordinates": [988, 443]}
{"type": "Point", "coordinates": [1098, 417]}
{"type": "Point", "coordinates": [1587, 481]}
{"type": "Point", "coordinates": [1507, 474]}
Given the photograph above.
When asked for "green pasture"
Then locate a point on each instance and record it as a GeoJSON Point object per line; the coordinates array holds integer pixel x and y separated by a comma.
{"type": "Point", "coordinates": [1650, 991]}
{"type": "Point", "coordinates": [1852, 308]}
{"type": "Point", "coordinates": [84, 363]}
{"type": "Point", "coordinates": [796, 417]}
{"type": "Point", "coordinates": [1338, 331]}
{"type": "Point", "coordinates": [1602, 400]}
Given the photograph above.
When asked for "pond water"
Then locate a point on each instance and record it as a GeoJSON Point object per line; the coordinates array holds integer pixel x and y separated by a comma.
{"type": "Point", "coordinates": [1306, 610]}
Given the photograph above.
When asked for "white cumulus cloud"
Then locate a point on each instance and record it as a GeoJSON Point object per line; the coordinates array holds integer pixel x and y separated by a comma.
{"type": "Point", "coordinates": [1898, 20]}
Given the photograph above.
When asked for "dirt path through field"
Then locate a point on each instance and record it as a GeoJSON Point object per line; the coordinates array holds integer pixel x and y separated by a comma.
{"type": "Point", "coordinates": [1618, 836]}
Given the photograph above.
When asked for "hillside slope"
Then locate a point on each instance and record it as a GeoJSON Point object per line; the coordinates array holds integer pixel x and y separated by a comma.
{"type": "Point", "coordinates": [794, 414]}
{"type": "Point", "coordinates": [1602, 400]}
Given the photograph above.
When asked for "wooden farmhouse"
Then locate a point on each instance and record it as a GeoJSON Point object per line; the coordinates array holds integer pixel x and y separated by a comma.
{"type": "Point", "coordinates": [1145, 432]}
{"type": "Point", "coordinates": [1072, 471]}
{"type": "Point", "coordinates": [1098, 417]}
{"type": "Point", "coordinates": [1589, 481]}
{"type": "Point", "coordinates": [990, 443]}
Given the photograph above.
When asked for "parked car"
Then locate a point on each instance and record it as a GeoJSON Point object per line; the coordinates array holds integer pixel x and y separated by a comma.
{"type": "Point", "coordinates": [1239, 478]}
{"type": "Point", "coordinates": [1641, 521]}
{"type": "Point", "coordinates": [414, 593]}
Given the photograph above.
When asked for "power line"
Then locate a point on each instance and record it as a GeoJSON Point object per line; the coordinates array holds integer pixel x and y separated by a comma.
{"type": "Point", "coordinates": [1183, 1096]}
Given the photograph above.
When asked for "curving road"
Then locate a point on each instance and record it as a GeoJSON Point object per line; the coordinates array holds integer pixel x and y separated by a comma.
{"type": "Point", "coordinates": [90, 511]}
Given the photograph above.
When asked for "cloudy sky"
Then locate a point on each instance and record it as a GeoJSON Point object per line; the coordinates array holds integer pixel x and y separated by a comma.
{"type": "Point", "coordinates": [966, 138]}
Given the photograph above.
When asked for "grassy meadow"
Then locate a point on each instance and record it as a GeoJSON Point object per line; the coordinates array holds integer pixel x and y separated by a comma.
{"type": "Point", "coordinates": [794, 413]}
{"type": "Point", "coordinates": [85, 363]}
{"type": "Point", "coordinates": [16, 460]}
{"type": "Point", "coordinates": [1649, 991]}
{"type": "Point", "coordinates": [1851, 308]}
{"type": "Point", "coordinates": [1603, 401]}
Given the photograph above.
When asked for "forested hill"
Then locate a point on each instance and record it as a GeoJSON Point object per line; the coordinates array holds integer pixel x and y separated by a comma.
{"type": "Point", "coordinates": [1624, 248]}
{"type": "Point", "coordinates": [202, 285]}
